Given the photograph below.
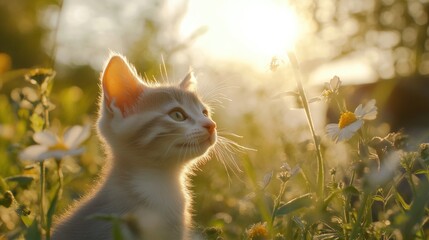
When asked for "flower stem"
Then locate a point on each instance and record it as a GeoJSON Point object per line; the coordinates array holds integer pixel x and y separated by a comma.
{"type": "Point", "coordinates": [357, 226]}
{"type": "Point", "coordinates": [60, 177]}
{"type": "Point", "coordinates": [277, 203]}
{"type": "Point", "coordinates": [42, 194]}
{"type": "Point", "coordinates": [320, 166]}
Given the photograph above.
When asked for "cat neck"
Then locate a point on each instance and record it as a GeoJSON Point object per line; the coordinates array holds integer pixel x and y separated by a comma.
{"type": "Point", "coordinates": [147, 180]}
{"type": "Point", "coordinates": [130, 164]}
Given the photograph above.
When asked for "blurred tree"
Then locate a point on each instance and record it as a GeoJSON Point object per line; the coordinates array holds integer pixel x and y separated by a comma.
{"type": "Point", "coordinates": [21, 34]}
{"type": "Point", "coordinates": [392, 34]}
{"type": "Point", "coordinates": [143, 31]}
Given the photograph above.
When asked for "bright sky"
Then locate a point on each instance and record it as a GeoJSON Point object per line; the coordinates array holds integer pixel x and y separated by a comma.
{"type": "Point", "coordinates": [246, 31]}
{"type": "Point", "coordinates": [251, 31]}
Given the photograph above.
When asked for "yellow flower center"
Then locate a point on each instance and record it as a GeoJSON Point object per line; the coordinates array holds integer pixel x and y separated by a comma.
{"type": "Point", "coordinates": [58, 146]}
{"type": "Point", "coordinates": [346, 119]}
{"type": "Point", "coordinates": [258, 231]}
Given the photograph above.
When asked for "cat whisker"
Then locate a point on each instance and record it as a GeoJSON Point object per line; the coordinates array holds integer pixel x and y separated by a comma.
{"type": "Point", "coordinates": [217, 152]}
{"type": "Point", "coordinates": [168, 135]}
{"type": "Point", "coordinates": [221, 132]}
{"type": "Point", "coordinates": [214, 91]}
{"type": "Point", "coordinates": [233, 145]}
{"type": "Point", "coordinates": [163, 70]}
{"type": "Point", "coordinates": [214, 97]}
{"type": "Point", "coordinates": [225, 151]}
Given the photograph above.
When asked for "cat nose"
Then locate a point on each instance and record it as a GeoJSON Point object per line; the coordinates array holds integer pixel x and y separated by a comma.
{"type": "Point", "coordinates": [210, 126]}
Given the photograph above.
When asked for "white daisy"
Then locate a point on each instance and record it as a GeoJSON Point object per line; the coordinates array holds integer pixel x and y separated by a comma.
{"type": "Point", "coordinates": [350, 122]}
{"type": "Point", "coordinates": [51, 146]}
{"type": "Point", "coordinates": [332, 88]}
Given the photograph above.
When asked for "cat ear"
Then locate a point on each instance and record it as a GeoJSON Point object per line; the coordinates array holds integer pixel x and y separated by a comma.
{"type": "Point", "coordinates": [121, 87]}
{"type": "Point", "coordinates": [189, 83]}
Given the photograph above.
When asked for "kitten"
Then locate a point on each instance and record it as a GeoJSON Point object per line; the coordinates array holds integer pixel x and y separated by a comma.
{"type": "Point", "coordinates": [153, 135]}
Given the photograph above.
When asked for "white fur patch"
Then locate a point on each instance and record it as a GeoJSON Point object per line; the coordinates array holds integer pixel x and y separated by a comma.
{"type": "Point", "coordinates": [165, 198]}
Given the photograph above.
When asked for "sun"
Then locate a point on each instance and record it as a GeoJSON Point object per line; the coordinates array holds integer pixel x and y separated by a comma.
{"type": "Point", "coordinates": [248, 30]}
{"type": "Point", "coordinates": [266, 27]}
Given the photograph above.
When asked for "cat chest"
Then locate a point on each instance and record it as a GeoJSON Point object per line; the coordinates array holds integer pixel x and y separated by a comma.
{"type": "Point", "coordinates": [163, 209]}
{"type": "Point", "coordinates": [162, 194]}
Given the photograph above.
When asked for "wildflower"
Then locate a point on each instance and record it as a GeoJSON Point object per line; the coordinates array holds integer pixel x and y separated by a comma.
{"type": "Point", "coordinates": [283, 176]}
{"type": "Point", "coordinates": [350, 122]}
{"type": "Point", "coordinates": [258, 231]}
{"type": "Point", "coordinates": [424, 151]}
{"type": "Point", "coordinates": [287, 172]}
{"type": "Point", "coordinates": [51, 146]}
{"type": "Point", "coordinates": [275, 63]}
{"type": "Point", "coordinates": [39, 75]}
{"type": "Point", "coordinates": [332, 88]}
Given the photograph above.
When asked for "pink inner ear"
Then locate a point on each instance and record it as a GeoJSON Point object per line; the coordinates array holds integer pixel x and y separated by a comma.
{"type": "Point", "coordinates": [120, 84]}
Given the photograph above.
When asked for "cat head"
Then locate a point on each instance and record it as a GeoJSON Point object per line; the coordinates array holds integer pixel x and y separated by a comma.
{"type": "Point", "coordinates": [149, 125]}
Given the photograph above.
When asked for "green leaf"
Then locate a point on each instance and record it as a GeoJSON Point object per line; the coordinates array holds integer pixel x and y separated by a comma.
{"type": "Point", "coordinates": [33, 232]}
{"type": "Point", "coordinates": [378, 198]}
{"type": "Point", "coordinates": [295, 204]}
{"type": "Point", "coordinates": [51, 210]}
{"type": "Point", "coordinates": [416, 212]}
{"type": "Point", "coordinates": [116, 230]}
{"type": "Point", "coordinates": [351, 190]}
{"type": "Point", "coordinates": [266, 180]}
{"type": "Point", "coordinates": [3, 185]}
{"type": "Point", "coordinates": [23, 180]}
{"type": "Point", "coordinates": [331, 196]}
{"type": "Point", "coordinates": [26, 220]}
{"type": "Point", "coordinates": [421, 171]}
{"type": "Point", "coordinates": [401, 200]}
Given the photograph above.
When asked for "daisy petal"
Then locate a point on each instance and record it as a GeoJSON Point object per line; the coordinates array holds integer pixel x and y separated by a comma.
{"type": "Point", "coordinates": [75, 135]}
{"type": "Point", "coordinates": [335, 83]}
{"type": "Point", "coordinates": [61, 153]}
{"type": "Point", "coordinates": [332, 131]}
{"type": "Point", "coordinates": [370, 115]}
{"type": "Point", "coordinates": [46, 138]}
{"type": "Point", "coordinates": [367, 112]}
{"type": "Point", "coordinates": [353, 127]}
{"type": "Point", "coordinates": [53, 154]}
{"type": "Point", "coordinates": [359, 111]}
{"type": "Point", "coordinates": [33, 153]}
{"type": "Point", "coordinates": [350, 130]}
{"type": "Point", "coordinates": [345, 135]}
{"type": "Point", "coordinates": [75, 152]}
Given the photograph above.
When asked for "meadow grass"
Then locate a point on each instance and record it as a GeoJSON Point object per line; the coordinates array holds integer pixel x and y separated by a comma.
{"type": "Point", "coordinates": [380, 193]}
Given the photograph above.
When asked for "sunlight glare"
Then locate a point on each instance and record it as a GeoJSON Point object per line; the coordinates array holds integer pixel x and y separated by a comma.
{"type": "Point", "coordinates": [250, 31]}
{"type": "Point", "coordinates": [266, 28]}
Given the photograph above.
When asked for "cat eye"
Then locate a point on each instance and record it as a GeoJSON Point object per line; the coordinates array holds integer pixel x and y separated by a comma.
{"type": "Point", "coordinates": [177, 114]}
{"type": "Point", "coordinates": [205, 113]}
